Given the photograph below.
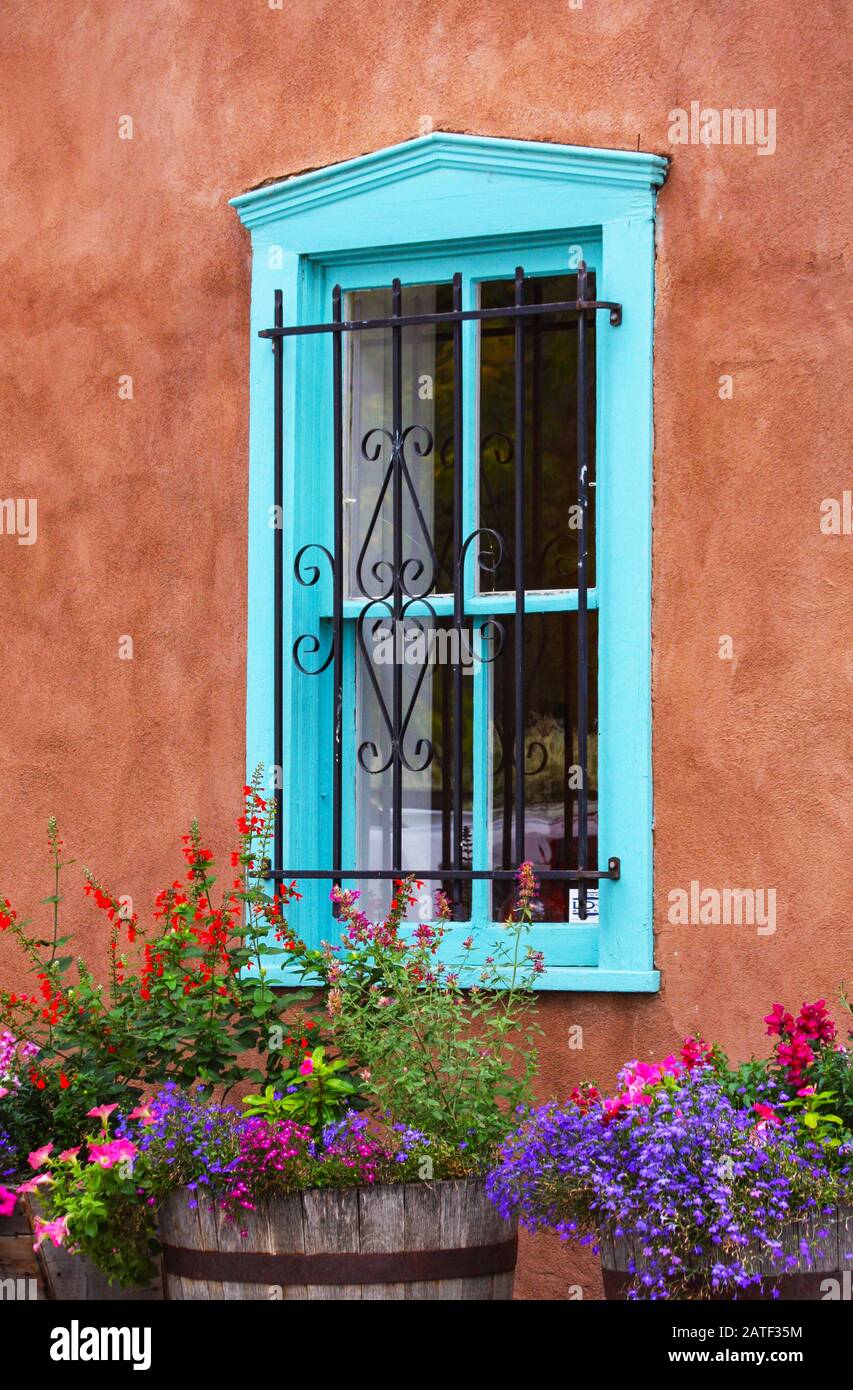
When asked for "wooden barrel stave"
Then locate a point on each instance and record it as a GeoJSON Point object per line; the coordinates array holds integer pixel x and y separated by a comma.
{"type": "Point", "coordinates": [350, 1222]}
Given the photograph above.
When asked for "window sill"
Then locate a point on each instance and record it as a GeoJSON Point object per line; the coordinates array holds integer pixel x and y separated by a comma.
{"type": "Point", "coordinates": [569, 979]}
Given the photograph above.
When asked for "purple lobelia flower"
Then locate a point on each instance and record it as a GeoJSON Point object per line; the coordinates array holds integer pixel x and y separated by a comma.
{"type": "Point", "coordinates": [701, 1187]}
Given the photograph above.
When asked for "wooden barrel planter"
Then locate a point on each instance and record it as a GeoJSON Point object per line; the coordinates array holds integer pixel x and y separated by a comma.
{"type": "Point", "coordinates": [827, 1274]}
{"type": "Point", "coordinates": [407, 1241]}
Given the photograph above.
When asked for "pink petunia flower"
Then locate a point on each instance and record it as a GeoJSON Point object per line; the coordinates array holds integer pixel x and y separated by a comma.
{"type": "Point", "coordinates": [54, 1231]}
{"type": "Point", "coordinates": [33, 1184]}
{"type": "Point", "coordinates": [40, 1156]}
{"type": "Point", "coordinates": [101, 1112]}
{"type": "Point", "coordinates": [7, 1201]}
{"type": "Point", "coordinates": [67, 1155]}
{"type": "Point", "coordinates": [307, 1066]}
{"type": "Point", "coordinates": [117, 1151]}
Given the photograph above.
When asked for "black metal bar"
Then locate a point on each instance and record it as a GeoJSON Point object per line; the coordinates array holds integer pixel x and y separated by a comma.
{"type": "Point", "coordinates": [520, 404]}
{"type": "Point", "coordinates": [536, 443]}
{"type": "Point", "coordinates": [568, 754]}
{"type": "Point", "coordinates": [397, 563]}
{"type": "Point", "coordinates": [583, 652]}
{"type": "Point", "coordinates": [458, 582]}
{"type": "Point", "coordinates": [338, 591]}
{"type": "Point", "coordinates": [278, 579]}
{"type": "Point", "coordinates": [449, 316]}
{"type": "Point", "coordinates": [612, 871]}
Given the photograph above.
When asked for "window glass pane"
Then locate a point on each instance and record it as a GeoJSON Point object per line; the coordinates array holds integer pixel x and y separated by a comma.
{"type": "Point", "coordinates": [551, 773]}
{"type": "Point", "coordinates": [427, 411]}
{"type": "Point", "coordinates": [424, 655]}
{"type": "Point", "coordinates": [550, 462]}
{"type": "Point", "coordinates": [420, 648]}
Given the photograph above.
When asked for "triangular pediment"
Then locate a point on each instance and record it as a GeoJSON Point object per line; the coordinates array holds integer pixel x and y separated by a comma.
{"type": "Point", "coordinates": [462, 159]}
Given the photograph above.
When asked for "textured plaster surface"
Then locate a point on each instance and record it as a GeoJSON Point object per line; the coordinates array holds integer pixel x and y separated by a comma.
{"type": "Point", "coordinates": [122, 256]}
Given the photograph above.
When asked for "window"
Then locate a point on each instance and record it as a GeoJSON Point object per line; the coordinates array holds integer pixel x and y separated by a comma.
{"type": "Point", "coordinates": [431, 405]}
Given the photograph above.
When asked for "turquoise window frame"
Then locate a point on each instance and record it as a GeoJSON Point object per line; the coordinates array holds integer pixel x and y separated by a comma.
{"type": "Point", "coordinates": [421, 211]}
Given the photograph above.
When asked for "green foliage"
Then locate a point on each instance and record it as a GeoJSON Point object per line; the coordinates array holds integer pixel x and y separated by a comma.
{"type": "Point", "coordinates": [833, 1072]}
{"type": "Point", "coordinates": [315, 1094]}
{"type": "Point", "coordinates": [452, 1062]}
{"type": "Point", "coordinates": [817, 1123]}
{"type": "Point", "coordinates": [744, 1084]}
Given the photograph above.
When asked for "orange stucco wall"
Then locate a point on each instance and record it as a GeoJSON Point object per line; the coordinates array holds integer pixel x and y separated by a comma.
{"type": "Point", "coordinates": [122, 257]}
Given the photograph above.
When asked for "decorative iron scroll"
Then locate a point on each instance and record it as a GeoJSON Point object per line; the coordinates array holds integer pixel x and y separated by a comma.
{"type": "Point", "coordinates": [400, 588]}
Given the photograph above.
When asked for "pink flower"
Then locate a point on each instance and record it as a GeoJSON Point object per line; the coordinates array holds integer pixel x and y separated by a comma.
{"type": "Point", "coordinates": [3, 1092]}
{"type": "Point", "coordinates": [54, 1231]}
{"type": "Point", "coordinates": [141, 1112]}
{"type": "Point", "coordinates": [102, 1112]}
{"type": "Point", "coordinates": [806, 1091]}
{"type": "Point", "coordinates": [40, 1156]}
{"type": "Point", "coordinates": [33, 1184]}
{"type": "Point", "coordinates": [117, 1151]}
{"type": "Point", "coordinates": [671, 1066]}
{"type": "Point", "coordinates": [67, 1155]}
{"type": "Point", "coordinates": [7, 1201]}
{"type": "Point", "coordinates": [307, 1066]}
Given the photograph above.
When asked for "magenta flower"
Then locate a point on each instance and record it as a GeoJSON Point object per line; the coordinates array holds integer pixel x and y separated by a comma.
{"type": "Point", "coordinates": [40, 1156]}
{"type": "Point", "coordinates": [672, 1066]}
{"type": "Point", "coordinates": [67, 1155]}
{"type": "Point", "coordinates": [307, 1066]}
{"type": "Point", "coordinates": [7, 1201]}
{"type": "Point", "coordinates": [779, 1021]}
{"type": "Point", "coordinates": [54, 1231]}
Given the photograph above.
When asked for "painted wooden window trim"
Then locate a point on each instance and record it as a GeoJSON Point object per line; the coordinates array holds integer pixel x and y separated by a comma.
{"type": "Point", "coordinates": [464, 197]}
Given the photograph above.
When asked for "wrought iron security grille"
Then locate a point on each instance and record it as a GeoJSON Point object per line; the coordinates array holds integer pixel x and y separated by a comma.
{"type": "Point", "coordinates": [397, 591]}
